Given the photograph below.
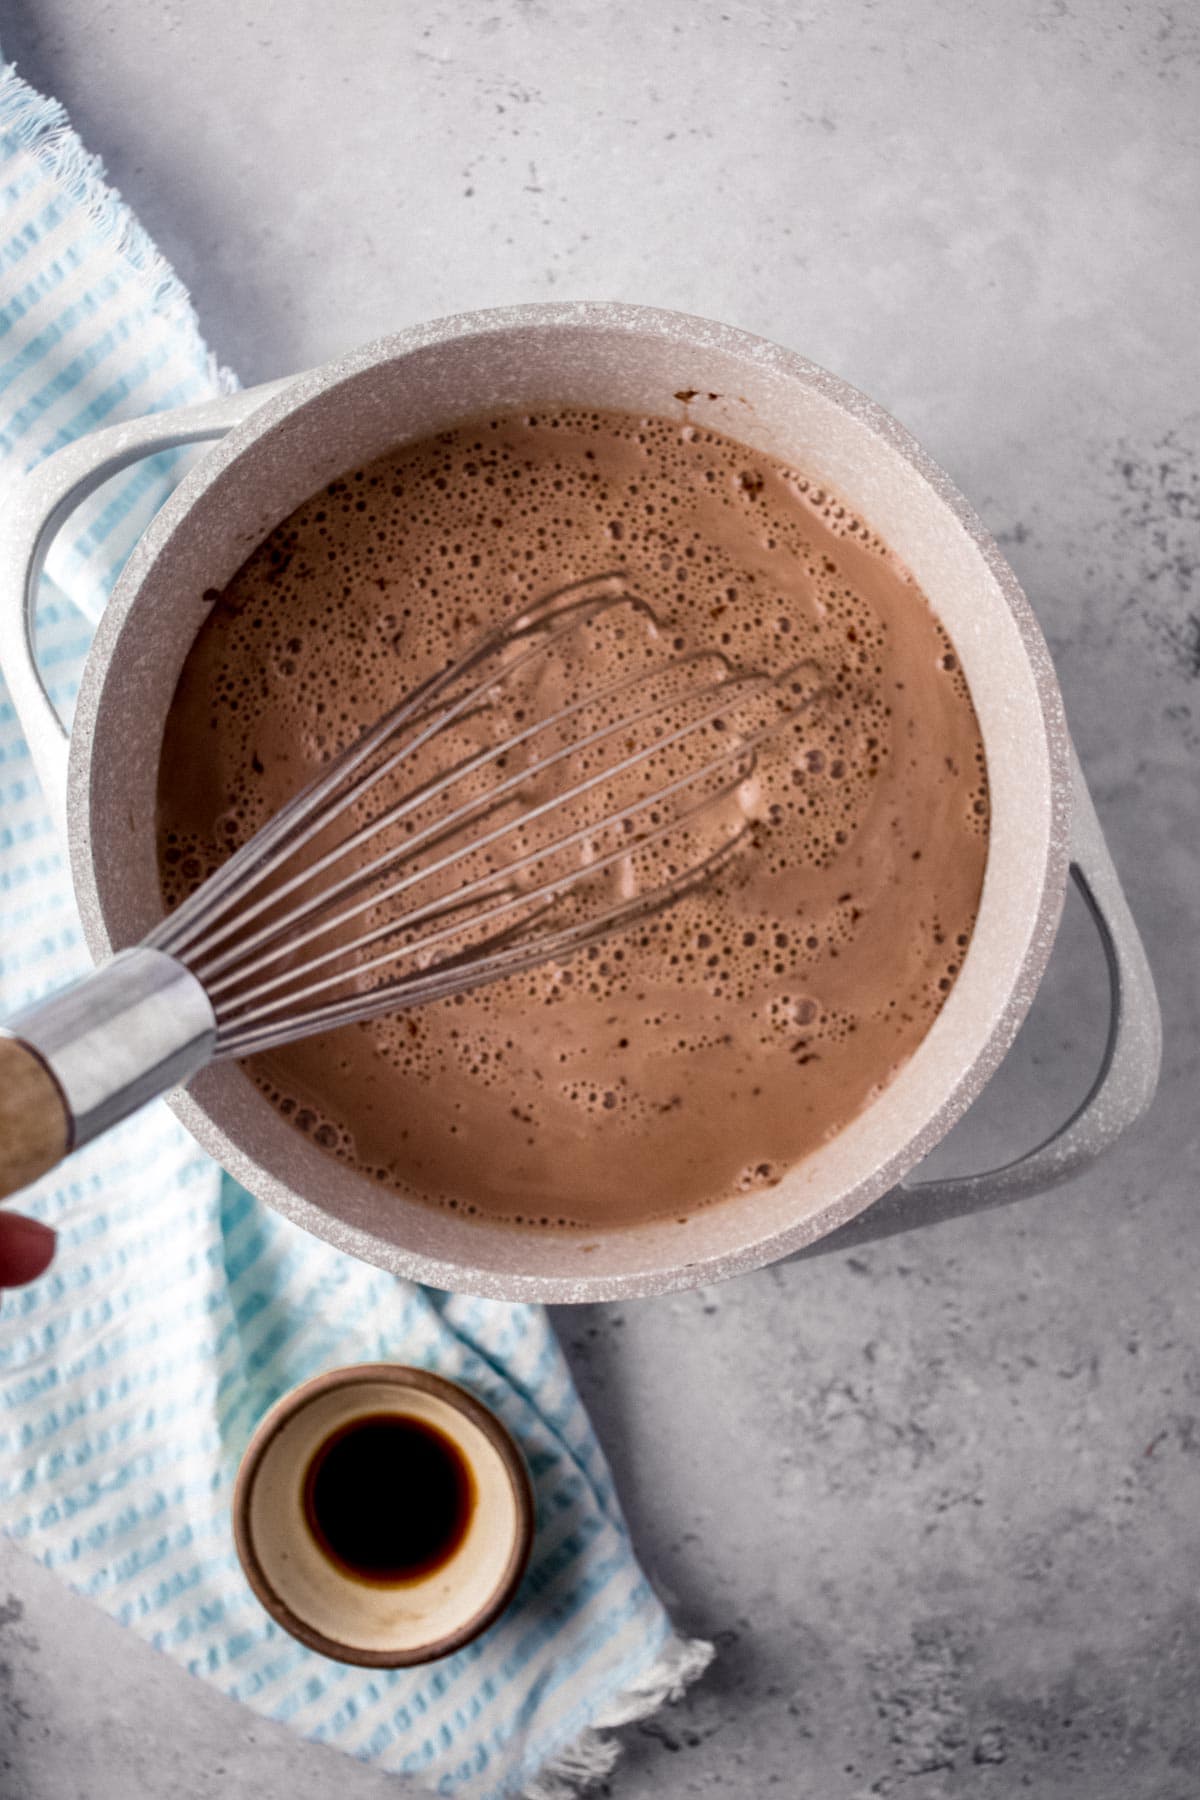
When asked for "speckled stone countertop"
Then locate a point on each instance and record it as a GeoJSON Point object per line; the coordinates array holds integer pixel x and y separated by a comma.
{"type": "Point", "coordinates": [938, 1501]}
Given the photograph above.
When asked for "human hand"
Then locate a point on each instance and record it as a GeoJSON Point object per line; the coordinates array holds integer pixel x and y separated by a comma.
{"type": "Point", "coordinates": [26, 1249]}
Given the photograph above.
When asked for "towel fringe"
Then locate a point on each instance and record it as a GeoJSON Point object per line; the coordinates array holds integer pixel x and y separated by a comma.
{"type": "Point", "coordinates": [594, 1753]}
{"type": "Point", "coordinates": [40, 127]}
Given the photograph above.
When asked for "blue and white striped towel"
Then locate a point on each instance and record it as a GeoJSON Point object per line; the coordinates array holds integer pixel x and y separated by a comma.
{"type": "Point", "coordinates": [178, 1309]}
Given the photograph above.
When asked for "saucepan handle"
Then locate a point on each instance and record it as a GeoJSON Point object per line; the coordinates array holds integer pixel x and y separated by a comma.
{"type": "Point", "coordinates": [1119, 1096]}
{"type": "Point", "coordinates": [37, 508]}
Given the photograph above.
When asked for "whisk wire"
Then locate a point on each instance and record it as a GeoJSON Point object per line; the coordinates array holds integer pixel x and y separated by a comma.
{"type": "Point", "coordinates": [444, 830]}
{"type": "Point", "coordinates": [300, 818]}
{"type": "Point", "coordinates": [436, 832]}
{"type": "Point", "coordinates": [508, 902]}
{"type": "Point", "coordinates": [464, 972]}
{"type": "Point", "coordinates": [744, 750]}
{"type": "Point", "coordinates": [473, 889]}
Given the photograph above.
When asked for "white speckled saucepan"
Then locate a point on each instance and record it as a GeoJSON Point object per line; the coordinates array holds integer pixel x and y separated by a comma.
{"type": "Point", "coordinates": [276, 446]}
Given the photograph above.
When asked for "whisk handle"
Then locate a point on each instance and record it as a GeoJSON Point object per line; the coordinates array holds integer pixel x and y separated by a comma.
{"type": "Point", "coordinates": [82, 1060]}
{"type": "Point", "coordinates": [35, 1125]}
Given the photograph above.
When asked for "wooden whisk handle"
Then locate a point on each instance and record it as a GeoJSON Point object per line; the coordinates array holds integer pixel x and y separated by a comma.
{"type": "Point", "coordinates": [35, 1126]}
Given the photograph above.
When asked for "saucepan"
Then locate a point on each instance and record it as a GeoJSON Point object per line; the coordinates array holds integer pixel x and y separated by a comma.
{"type": "Point", "coordinates": [274, 447]}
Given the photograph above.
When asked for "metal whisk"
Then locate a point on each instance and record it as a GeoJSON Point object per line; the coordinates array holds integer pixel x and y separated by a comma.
{"type": "Point", "coordinates": [573, 771]}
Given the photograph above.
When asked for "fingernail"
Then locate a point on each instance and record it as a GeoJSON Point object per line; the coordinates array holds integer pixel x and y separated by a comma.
{"type": "Point", "coordinates": [26, 1249]}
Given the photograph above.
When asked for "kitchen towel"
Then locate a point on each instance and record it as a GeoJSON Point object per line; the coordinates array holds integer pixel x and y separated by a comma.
{"type": "Point", "coordinates": [178, 1308]}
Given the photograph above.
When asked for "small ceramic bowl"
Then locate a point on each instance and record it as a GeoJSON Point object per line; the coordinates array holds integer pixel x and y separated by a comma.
{"type": "Point", "coordinates": [381, 1624]}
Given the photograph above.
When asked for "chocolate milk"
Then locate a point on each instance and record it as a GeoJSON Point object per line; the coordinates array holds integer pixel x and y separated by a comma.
{"type": "Point", "coordinates": [703, 1053]}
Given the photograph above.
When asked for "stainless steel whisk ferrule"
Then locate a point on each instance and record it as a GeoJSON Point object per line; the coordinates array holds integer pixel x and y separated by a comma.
{"type": "Point", "coordinates": [112, 1040]}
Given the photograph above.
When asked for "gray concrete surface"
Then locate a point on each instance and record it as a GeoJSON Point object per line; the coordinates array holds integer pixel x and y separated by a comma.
{"type": "Point", "coordinates": [938, 1502]}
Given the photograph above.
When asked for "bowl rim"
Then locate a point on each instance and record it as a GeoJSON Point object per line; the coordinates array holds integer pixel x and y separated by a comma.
{"type": "Point", "coordinates": [405, 1378]}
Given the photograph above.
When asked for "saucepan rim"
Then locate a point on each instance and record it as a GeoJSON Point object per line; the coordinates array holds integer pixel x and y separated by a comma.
{"type": "Point", "coordinates": [242, 443]}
